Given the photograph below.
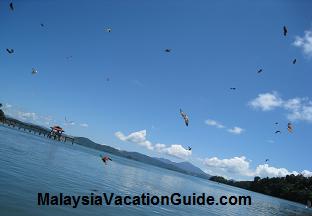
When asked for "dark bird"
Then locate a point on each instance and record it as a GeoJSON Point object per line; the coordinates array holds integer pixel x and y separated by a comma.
{"type": "Point", "coordinates": [42, 25]}
{"type": "Point", "coordinates": [11, 6]}
{"type": "Point", "coordinates": [10, 51]}
{"type": "Point", "coordinates": [108, 30]}
{"type": "Point", "coordinates": [105, 159]}
{"type": "Point", "coordinates": [285, 30]}
{"type": "Point", "coordinates": [266, 160]}
{"type": "Point", "coordinates": [276, 123]}
{"type": "Point", "coordinates": [34, 71]}
{"type": "Point", "coordinates": [189, 148]}
{"type": "Point", "coordinates": [294, 61]}
{"type": "Point", "coordinates": [260, 71]}
{"type": "Point", "coordinates": [167, 50]}
{"type": "Point", "coordinates": [185, 117]}
{"type": "Point", "coordinates": [233, 88]}
{"type": "Point", "coordinates": [289, 127]}
{"type": "Point", "coordinates": [277, 131]}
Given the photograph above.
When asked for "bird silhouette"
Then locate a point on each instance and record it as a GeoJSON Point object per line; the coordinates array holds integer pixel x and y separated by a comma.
{"type": "Point", "coordinates": [168, 50]}
{"type": "Point", "coordinates": [285, 30]}
{"type": "Point", "coordinates": [277, 131]}
{"type": "Point", "coordinates": [108, 30]}
{"type": "Point", "coordinates": [233, 88]}
{"type": "Point", "coordinates": [185, 117]}
{"type": "Point", "coordinates": [10, 51]}
{"type": "Point", "coordinates": [11, 6]}
{"type": "Point", "coordinates": [294, 61]}
{"type": "Point", "coordinates": [34, 71]}
{"type": "Point", "coordinates": [289, 127]}
{"type": "Point", "coordinates": [260, 71]}
{"type": "Point", "coordinates": [189, 148]}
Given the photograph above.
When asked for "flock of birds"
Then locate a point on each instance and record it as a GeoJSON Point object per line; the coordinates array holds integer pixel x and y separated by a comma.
{"type": "Point", "coordinates": [289, 125]}
{"type": "Point", "coordinates": [167, 50]}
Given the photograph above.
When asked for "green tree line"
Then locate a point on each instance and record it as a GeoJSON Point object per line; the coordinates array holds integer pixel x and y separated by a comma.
{"type": "Point", "coordinates": [295, 188]}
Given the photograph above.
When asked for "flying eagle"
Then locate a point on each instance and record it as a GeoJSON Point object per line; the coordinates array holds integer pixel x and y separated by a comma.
{"type": "Point", "coordinates": [185, 117]}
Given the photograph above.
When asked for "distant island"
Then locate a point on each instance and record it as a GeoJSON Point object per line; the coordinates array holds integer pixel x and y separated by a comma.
{"type": "Point", "coordinates": [291, 187]}
{"type": "Point", "coordinates": [183, 167]}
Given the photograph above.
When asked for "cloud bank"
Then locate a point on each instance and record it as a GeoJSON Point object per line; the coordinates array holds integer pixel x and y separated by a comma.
{"type": "Point", "coordinates": [214, 123]}
{"type": "Point", "coordinates": [297, 108]}
{"type": "Point", "coordinates": [240, 166]}
{"type": "Point", "coordinates": [304, 43]}
{"type": "Point", "coordinates": [139, 138]}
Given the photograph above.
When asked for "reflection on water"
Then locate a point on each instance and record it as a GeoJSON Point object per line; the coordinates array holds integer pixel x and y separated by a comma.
{"type": "Point", "coordinates": [30, 164]}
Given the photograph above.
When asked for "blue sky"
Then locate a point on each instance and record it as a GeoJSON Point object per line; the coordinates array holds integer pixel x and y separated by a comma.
{"type": "Point", "coordinates": [215, 45]}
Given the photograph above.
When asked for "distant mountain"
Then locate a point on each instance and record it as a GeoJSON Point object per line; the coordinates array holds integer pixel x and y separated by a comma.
{"type": "Point", "coordinates": [183, 167]}
{"type": "Point", "coordinates": [187, 166]}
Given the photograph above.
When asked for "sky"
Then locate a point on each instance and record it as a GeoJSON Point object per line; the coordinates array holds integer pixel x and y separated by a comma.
{"type": "Point", "coordinates": [121, 88]}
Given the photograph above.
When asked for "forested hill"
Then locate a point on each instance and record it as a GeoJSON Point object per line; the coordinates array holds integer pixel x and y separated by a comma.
{"type": "Point", "coordinates": [294, 188]}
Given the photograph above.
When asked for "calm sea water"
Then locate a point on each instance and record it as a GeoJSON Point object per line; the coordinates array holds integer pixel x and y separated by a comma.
{"type": "Point", "coordinates": [30, 164]}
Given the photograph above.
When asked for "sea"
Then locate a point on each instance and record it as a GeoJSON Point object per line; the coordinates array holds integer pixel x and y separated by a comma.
{"type": "Point", "coordinates": [30, 164]}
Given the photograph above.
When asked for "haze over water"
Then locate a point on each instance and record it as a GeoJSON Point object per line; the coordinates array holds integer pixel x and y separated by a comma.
{"type": "Point", "coordinates": [30, 164]}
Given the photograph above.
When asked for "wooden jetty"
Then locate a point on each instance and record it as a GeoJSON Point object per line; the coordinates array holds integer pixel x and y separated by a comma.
{"type": "Point", "coordinates": [55, 132]}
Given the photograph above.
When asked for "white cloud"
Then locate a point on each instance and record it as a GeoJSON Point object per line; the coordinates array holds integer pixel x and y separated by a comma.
{"type": "Point", "coordinates": [306, 173]}
{"type": "Point", "coordinates": [174, 150]}
{"type": "Point", "coordinates": [231, 167]}
{"type": "Point", "coordinates": [240, 167]}
{"type": "Point", "coordinates": [35, 118]}
{"type": "Point", "coordinates": [82, 124]}
{"type": "Point", "coordinates": [27, 116]}
{"type": "Point", "coordinates": [305, 43]}
{"type": "Point", "coordinates": [214, 123]}
{"type": "Point", "coordinates": [7, 106]}
{"type": "Point", "coordinates": [298, 108]}
{"type": "Point", "coordinates": [264, 170]}
{"type": "Point", "coordinates": [211, 122]}
{"type": "Point", "coordinates": [139, 138]}
{"type": "Point", "coordinates": [266, 101]}
{"type": "Point", "coordinates": [236, 130]}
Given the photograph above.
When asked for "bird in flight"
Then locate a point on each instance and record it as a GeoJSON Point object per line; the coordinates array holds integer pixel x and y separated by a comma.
{"type": "Point", "coordinates": [11, 6]}
{"type": "Point", "coordinates": [294, 61]}
{"type": "Point", "coordinates": [289, 127]}
{"type": "Point", "coordinates": [185, 117]}
{"type": "Point", "coordinates": [233, 88]}
{"type": "Point", "coordinates": [260, 71]}
{"type": "Point", "coordinates": [266, 160]}
{"type": "Point", "coordinates": [277, 131]}
{"type": "Point", "coordinates": [285, 30]}
{"type": "Point", "coordinates": [108, 29]}
{"type": "Point", "coordinates": [41, 24]}
{"type": "Point", "coordinates": [167, 50]}
{"type": "Point", "coordinates": [10, 51]}
{"type": "Point", "coordinates": [34, 71]}
{"type": "Point", "coordinates": [189, 148]}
